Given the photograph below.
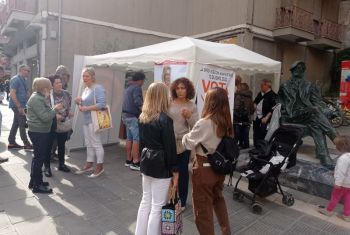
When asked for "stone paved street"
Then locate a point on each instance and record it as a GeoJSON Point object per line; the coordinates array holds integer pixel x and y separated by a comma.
{"type": "Point", "coordinates": [108, 204]}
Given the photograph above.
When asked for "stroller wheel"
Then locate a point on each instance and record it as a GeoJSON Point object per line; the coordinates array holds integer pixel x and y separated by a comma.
{"type": "Point", "coordinates": [288, 200]}
{"type": "Point", "coordinates": [238, 196]}
{"type": "Point", "coordinates": [257, 208]}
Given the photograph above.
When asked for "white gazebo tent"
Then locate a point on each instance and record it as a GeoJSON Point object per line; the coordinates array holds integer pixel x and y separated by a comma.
{"type": "Point", "coordinates": [111, 68]}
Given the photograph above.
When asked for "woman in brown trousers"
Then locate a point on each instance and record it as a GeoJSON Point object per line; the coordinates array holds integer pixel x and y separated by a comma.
{"type": "Point", "coordinates": [208, 185]}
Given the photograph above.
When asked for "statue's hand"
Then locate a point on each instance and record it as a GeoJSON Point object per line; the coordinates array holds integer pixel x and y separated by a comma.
{"type": "Point", "coordinates": [327, 112]}
{"type": "Point", "coordinates": [313, 109]}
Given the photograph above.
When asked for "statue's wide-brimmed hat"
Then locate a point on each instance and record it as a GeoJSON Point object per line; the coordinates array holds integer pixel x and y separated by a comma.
{"type": "Point", "coordinates": [295, 64]}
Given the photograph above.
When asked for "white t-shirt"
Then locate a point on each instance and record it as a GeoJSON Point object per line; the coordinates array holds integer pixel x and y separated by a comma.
{"type": "Point", "coordinates": [342, 171]}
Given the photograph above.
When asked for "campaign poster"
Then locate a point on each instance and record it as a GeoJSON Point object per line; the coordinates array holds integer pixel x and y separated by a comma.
{"type": "Point", "coordinates": [169, 71]}
{"type": "Point", "coordinates": [345, 84]}
{"type": "Point", "coordinates": [212, 76]}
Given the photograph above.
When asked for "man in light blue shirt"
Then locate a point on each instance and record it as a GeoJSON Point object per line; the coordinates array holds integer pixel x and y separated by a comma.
{"type": "Point", "coordinates": [19, 94]}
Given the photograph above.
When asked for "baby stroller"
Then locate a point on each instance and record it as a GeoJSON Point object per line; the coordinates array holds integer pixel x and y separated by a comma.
{"type": "Point", "coordinates": [265, 165]}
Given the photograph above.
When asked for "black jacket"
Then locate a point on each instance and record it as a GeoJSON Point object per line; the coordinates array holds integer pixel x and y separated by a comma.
{"type": "Point", "coordinates": [158, 147]}
{"type": "Point", "coordinates": [268, 103]}
{"type": "Point", "coordinates": [243, 107]}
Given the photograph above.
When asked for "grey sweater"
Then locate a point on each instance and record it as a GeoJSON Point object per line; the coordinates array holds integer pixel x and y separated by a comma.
{"type": "Point", "coordinates": [181, 125]}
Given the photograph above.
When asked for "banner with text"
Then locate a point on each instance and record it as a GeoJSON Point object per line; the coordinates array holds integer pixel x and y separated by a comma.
{"type": "Point", "coordinates": [169, 71]}
{"type": "Point", "coordinates": [345, 84]}
{"type": "Point", "coordinates": [212, 76]}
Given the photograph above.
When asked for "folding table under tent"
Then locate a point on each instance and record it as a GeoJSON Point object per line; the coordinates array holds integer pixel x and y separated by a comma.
{"type": "Point", "coordinates": [111, 68]}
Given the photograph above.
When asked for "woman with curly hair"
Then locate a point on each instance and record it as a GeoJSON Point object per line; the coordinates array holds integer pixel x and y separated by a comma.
{"type": "Point", "coordinates": [184, 114]}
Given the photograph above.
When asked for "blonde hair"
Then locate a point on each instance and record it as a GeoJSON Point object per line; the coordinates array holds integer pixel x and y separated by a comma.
{"type": "Point", "coordinates": [39, 84]}
{"type": "Point", "coordinates": [91, 72]}
{"type": "Point", "coordinates": [156, 102]}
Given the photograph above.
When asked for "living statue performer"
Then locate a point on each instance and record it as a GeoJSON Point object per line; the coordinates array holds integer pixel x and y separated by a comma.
{"type": "Point", "coordinates": [302, 104]}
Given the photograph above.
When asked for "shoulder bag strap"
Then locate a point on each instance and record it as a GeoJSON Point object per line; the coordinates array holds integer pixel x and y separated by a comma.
{"type": "Point", "coordinates": [205, 150]}
{"type": "Point", "coordinates": [94, 94]}
{"type": "Point", "coordinates": [67, 98]}
{"type": "Point", "coordinates": [52, 101]}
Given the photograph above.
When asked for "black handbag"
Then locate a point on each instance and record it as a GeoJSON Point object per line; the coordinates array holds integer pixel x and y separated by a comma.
{"type": "Point", "coordinates": [223, 160]}
{"type": "Point", "coordinates": [153, 163]}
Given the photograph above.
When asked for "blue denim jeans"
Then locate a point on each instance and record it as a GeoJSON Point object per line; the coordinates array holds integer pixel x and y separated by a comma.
{"type": "Point", "coordinates": [132, 128]}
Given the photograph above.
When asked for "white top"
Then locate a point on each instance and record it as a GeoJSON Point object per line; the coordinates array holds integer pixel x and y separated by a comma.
{"type": "Point", "coordinates": [342, 171]}
{"type": "Point", "coordinates": [204, 131]}
{"type": "Point", "coordinates": [259, 112]}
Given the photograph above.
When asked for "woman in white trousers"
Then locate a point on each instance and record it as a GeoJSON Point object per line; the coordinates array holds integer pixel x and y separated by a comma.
{"type": "Point", "coordinates": [158, 159]}
{"type": "Point", "coordinates": [92, 99]}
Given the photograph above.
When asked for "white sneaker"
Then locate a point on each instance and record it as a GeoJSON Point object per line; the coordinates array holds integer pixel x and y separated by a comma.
{"type": "Point", "coordinates": [344, 217]}
{"type": "Point", "coordinates": [127, 163]}
{"type": "Point", "coordinates": [135, 166]}
{"type": "Point", "coordinates": [324, 211]}
{"type": "Point", "coordinates": [93, 175]}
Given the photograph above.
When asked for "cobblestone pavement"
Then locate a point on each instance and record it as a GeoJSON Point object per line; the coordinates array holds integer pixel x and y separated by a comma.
{"type": "Point", "coordinates": [108, 204]}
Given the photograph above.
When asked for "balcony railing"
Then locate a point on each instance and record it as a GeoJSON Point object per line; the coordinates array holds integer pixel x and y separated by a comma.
{"type": "Point", "coordinates": [329, 30]}
{"type": "Point", "coordinates": [294, 17]}
{"type": "Point", "coordinates": [27, 6]}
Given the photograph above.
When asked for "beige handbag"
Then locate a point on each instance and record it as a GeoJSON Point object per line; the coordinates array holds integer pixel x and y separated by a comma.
{"type": "Point", "coordinates": [101, 119]}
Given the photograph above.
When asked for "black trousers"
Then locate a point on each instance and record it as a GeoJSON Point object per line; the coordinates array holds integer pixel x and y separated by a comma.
{"type": "Point", "coordinates": [61, 139]}
{"type": "Point", "coordinates": [242, 135]}
{"type": "Point", "coordinates": [259, 130]}
{"type": "Point", "coordinates": [182, 161]}
{"type": "Point", "coordinates": [40, 145]}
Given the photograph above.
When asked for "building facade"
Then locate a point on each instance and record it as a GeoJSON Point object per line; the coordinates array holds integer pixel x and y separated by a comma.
{"type": "Point", "coordinates": [45, 33]}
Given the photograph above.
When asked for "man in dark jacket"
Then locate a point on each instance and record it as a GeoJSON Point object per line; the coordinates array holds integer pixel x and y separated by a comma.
{"type": "Point", "coordinates": [263, 103]}
{"type": "Point", "coordinates": [242, 112]}
{"type": "Point", "coordinates": [132, 104]}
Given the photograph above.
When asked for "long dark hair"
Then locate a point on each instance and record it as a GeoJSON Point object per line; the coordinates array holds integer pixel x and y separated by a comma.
{"type": "Point", "coordinates": [217, 108]}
